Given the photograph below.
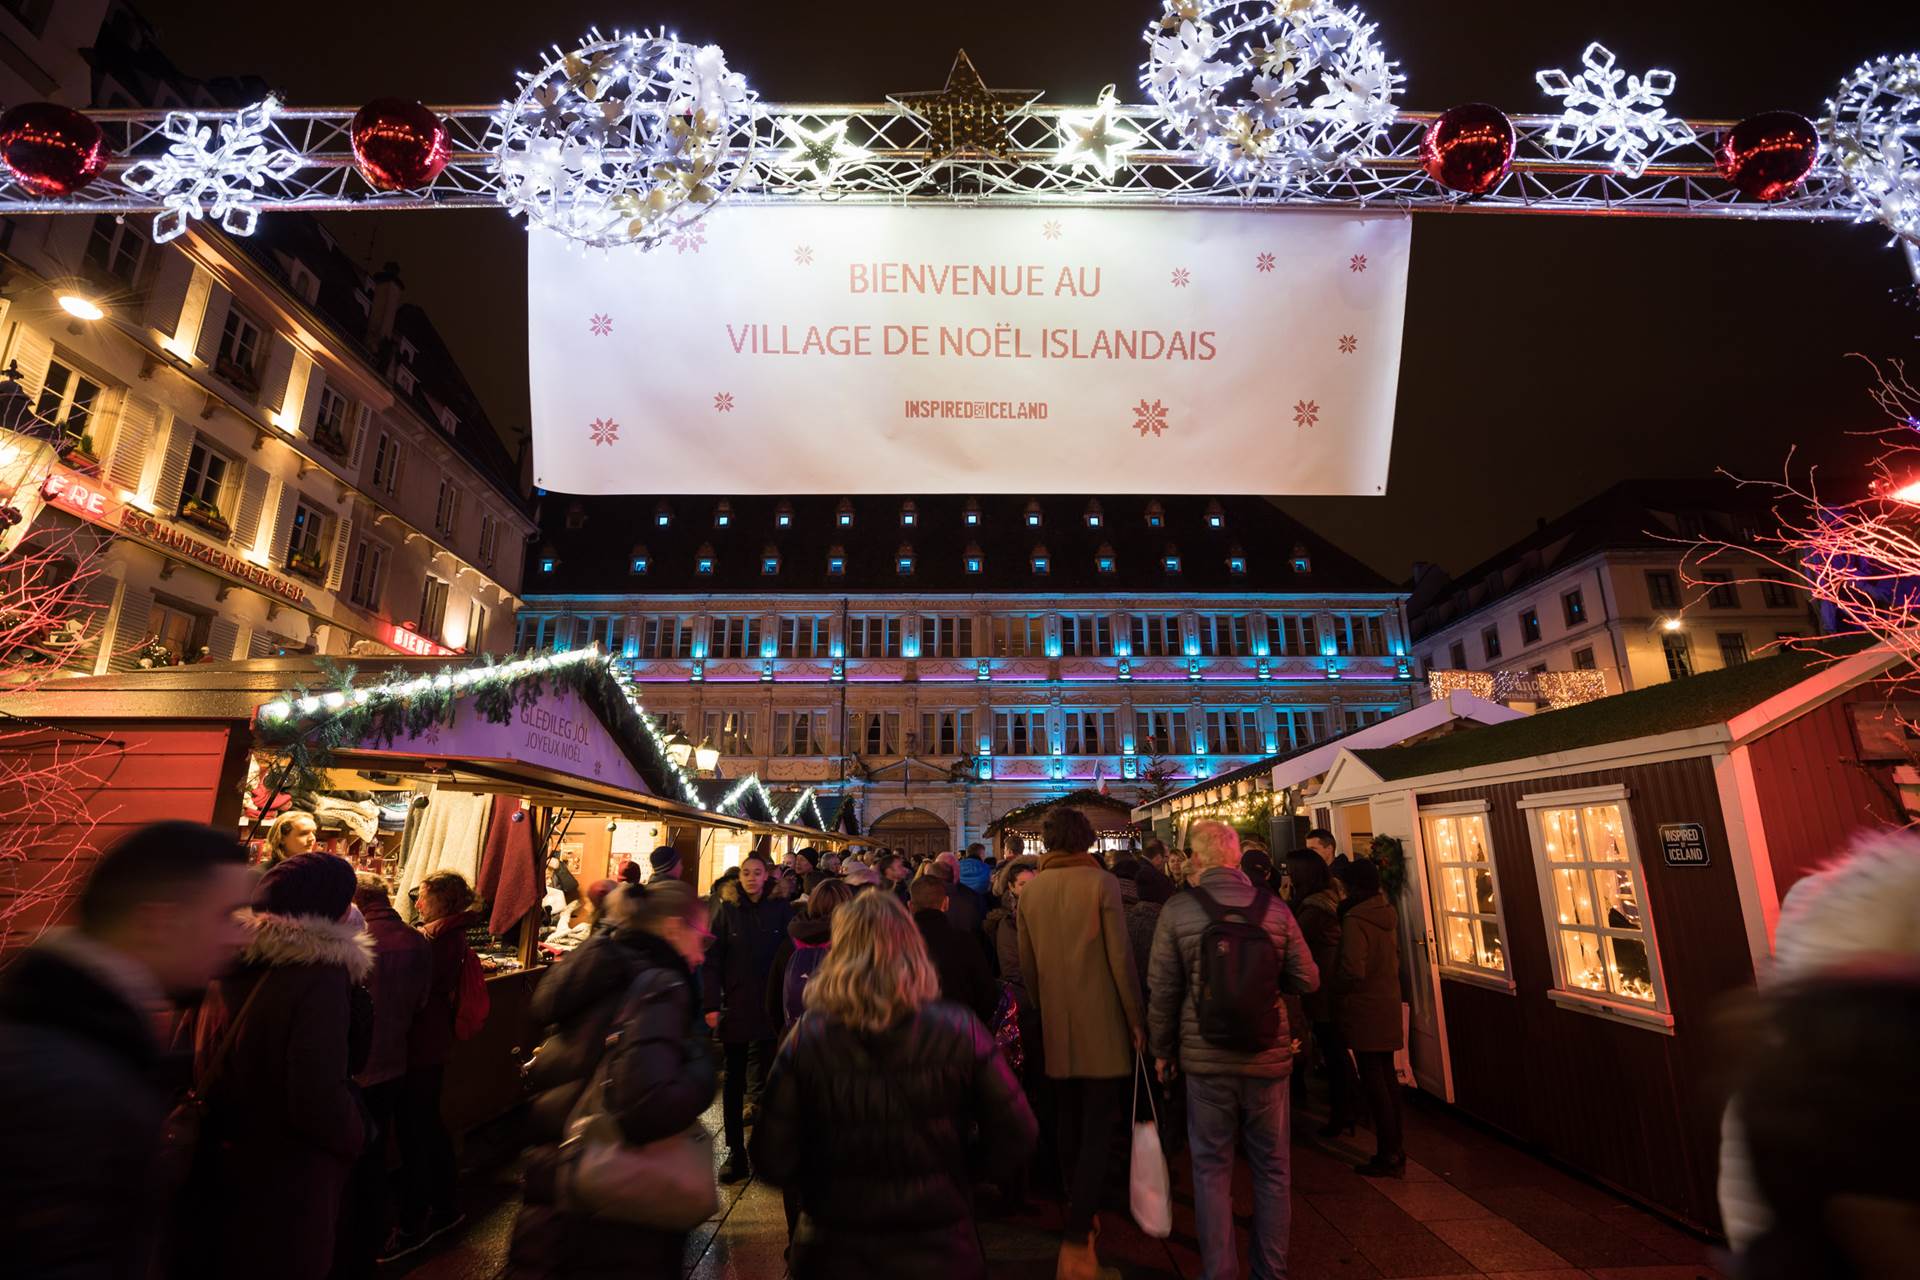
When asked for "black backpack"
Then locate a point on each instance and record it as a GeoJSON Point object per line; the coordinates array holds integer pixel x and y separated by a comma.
{"type": "Point", "coordinates": [1239, 976]}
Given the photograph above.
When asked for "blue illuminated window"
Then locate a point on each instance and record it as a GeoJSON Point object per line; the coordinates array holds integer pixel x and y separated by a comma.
{"type": "Point", "coordinates": [1172, 563]}
{"type": "Point", "coordinates": [1236, 564]}
{"type": "Point", "coordinates": [1213, 521]}
{"type": "Point", "coordinates": [703, 565]}
{"type": "Point", "coordinates": [639, 564]}
{"type": "Point", "coordinates": [784, 519]}
{"type": "Point", "coordinates": [770, 565]}
{"type": "Point", "coordinates": [972, 517]}
{"type": "Point", "coordinates": [836, 564]}
{"type": "Point", "coordinates": [663, 519]}
{"type": "Point", "coordinates": [904, 564]}
{"type": "Point", "coordinates": [1302, 565]}
{"type": "Point", "coordinates": [1039, 564]}
{"type": "Point", "coordinates": [547, 564]}
{"type": "Point", "coordinates": [973, 564]}
{"type": "Point", "coordinates": [1105, 564]}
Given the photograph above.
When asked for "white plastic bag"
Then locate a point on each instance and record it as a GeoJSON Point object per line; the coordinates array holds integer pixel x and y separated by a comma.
{"type": "Point", "coordinates": [1148, 1193]}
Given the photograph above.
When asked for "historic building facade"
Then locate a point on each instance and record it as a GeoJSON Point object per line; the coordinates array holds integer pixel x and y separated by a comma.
{"type": "Point", "coordinates": [945, 660]}
{"type": "Point", "coordinates": [1616, 594]}
{"type": "Point", "coordinates": [272, 449]}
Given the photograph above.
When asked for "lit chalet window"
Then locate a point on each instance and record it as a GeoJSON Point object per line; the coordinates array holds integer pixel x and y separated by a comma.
{"type": "Point", "coordinates": [1594, 897]}
{"type": "Point", "coordinates": [1466, 891]}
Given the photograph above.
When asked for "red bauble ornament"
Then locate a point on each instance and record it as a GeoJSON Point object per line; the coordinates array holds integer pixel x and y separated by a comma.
{"type": "Point", "coordinates": [1767, 156]}
{"type": "Point", "coordinates": [1469, 148]}
{"type": "Point", "coordinates": [49, 149]}
{"type": "Point", "coordinates": [398, 145]}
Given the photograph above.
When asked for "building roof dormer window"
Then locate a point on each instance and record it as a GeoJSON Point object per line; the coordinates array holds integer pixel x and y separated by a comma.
{"type": "Point", "coordinates": [722, 514]}
{"type": "Point", "coordinates": [783, 515]}
{"type": "Point", "coordinates": [1156, 515]}
{"type": "Point", "coordinates": [1042, 563]}
{"type": "Point", "coordinates": [1216, 515]}
{"type": "Point", "coordinates": [970, 514]}
{"type": "Point", "coordinates": [843, 515]}
{"type": "Point", "coordinates": [1095, 517]}
{"type": "Point", "coordinates": [909, 514]}
{"type": "Point", "coordinates": [1104, 561]}
{"type": "Point", "coordinates": [972, 560]}
{"type": "Point", "coordinates": [836, 561]}
{"type": "Point", "coordinates": [638, 561]}
{"type": "Point", "coordinates": [663, 514]}
{"type": "Point", "coordinates": [1170, 559]}
{"type": "Point", "coordinates": [903, 560]}
{"type": "Point", "coordinates": [703, 559]}
{"type": "Point", "coordinates": [1033, 514]}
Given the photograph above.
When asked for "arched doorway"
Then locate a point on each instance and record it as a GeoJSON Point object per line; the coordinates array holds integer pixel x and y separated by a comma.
{"type": "Point", "coordinates": [912, 831]}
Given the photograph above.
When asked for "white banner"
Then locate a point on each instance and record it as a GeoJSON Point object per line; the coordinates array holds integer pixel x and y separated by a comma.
{"type": "Point", "coordinates": [872, 349]}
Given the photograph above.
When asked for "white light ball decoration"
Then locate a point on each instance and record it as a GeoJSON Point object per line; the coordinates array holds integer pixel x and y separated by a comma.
{"type": "Point", "coordinates": [1279, 93]}
{"type": "Point", "coordinates": [1873, 134]}
{"type": "Point", "coordinates": [628, 140]}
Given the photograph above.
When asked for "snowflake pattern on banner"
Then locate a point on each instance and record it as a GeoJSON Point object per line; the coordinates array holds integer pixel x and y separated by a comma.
{"type": "Point", "coordinates": [601, 324]}
{"type": "Point", "coordinates": [603, 430]}
{"type": "Point", "coordinates": [803, 255]}
{"type": "Point", "coordinates": [1051, 230]}
{"type": "Point", "coordinates": [1181, 277]}
{"type": "Point", "coordinates": [1306, 413]}
{"type": "Point", "coordinates": [196, 179]}
{"type": "Point", "coordinates": [1348, 344]}
{"type": "Point", "coordinates": [723, 402]}
{"type": "Point", "coordinates": [1630, 126]}
{"type": "Point", "coordinates": [1357, 263]}
{"type": "Point", "coordinates": [1264, 263]}
{"type": "Point", "coordinates": [1150, 418]}
{"type": "Point", "coordinates": [689, 240]}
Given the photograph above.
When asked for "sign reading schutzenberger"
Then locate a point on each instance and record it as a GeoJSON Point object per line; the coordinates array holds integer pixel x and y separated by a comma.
{"type": "Point", "coordinates": [973, 350]}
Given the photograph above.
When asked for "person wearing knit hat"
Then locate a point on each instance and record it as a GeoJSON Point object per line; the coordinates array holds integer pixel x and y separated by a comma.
{"type": "Point", "coordinates": [596, 901]}
{"type": "Point", "coordinates": [272, 1055]}
{"type": "Point", "coordinates": [664, 864]}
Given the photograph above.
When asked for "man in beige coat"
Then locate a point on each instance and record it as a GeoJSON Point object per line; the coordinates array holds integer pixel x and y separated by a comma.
{"type": "Point", "coordinates": [1078, 966]}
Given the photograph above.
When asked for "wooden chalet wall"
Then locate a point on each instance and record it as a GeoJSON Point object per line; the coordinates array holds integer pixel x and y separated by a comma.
{"type": "Point", "coordinates": [1627, 1104]}
{"type": "Point", "coordinates": [1815, 792]}
{"type": "Point", "coordinates": [160, 770]}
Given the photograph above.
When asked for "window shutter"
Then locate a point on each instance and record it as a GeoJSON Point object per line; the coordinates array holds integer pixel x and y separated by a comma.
{"type": "Point", "coordinates": [132, 439]}
{"type": "Point", "coordinates": [310, 408]}
{"type": "Point", "coordinates": [282, 507]}
{"type": "Point", "coordinates": [253, 498]}
{"type": "Point", "coordinates": [129, 629]}
{"type": "Point", "coordinates": [173, 468]}
{"type": "Point", "coordinates": [167, 299]}
{"type": "Point", "coordinates": [337, 562]}
{"type": "Point", "coordinates": [213, 323]}
{"type": "Point", "coordinates": [364, 420]}
{"type": "Point", "coordinates": [273, 382]}
{"type": "Point", "coordinates": [98, 596]}
{"type": "Point", "coordinates": [32, 352]}
{"type": "Point", "coordinates": [223, 633]}
{"type": "Point", "coordinates": [260, 644]}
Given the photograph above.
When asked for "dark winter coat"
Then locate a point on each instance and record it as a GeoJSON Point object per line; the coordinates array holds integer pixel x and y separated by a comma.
{"type": "Point", "coordinates": [1154, 884]}
{"type": "Point", "coordinates": [1173, 1014]}
{"type": "Point", "coordinates": [1003, 932]}
{"type": "Point", "coordinates": [283, 1113]}
{"type": "Point", "coordinates": [1319, 921]}
{"type": "Point", "coordinates": [1077, 961]}
{"type": "Point", "coordinates": [402, 973]}
{"type": "Point", "coordinates": [1367, 978]}
{"type": "Point", "coordinates": [1143, 917]}
{"type": "Point", "coordinates": [431, 1042]}
{"type": "Point", "coordinates": [807, 938]}
{"type": "Point", "coordinates": [965, 912]}
{"type": "Point", "coordinates": [660, 1079]}
{"type": "Point", "coordinates": [746, 939]}
{"type": "Point", "coordinates": [84, 1092]}
{"type": "Point", "coordinates": [882, 1134]}
{"type": "Point", "coordinates": [962, 966]}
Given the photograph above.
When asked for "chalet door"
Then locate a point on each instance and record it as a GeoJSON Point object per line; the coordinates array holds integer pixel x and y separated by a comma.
{"type": "Point", "coordinates": [1426, 1030]}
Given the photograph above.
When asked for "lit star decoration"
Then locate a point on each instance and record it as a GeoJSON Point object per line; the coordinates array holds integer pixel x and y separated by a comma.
{"type": "Point", "coordinates": [602, 325]}
{"type": "Point", "coordinates": [624, 140]}
{"type": "Point", "coordinates": [197, 179]}
{"type": "Point", "coordinates": [820, 153]}
{"type": "Point", "coordinates": [723, 402]}
{"type": "Point", "coordinates": [1181, 277]}
{"type": "Point", "coordinates": [1873, 128]}
{"type": "Point", "coordinates": [1348, 344]}
{"type": "Point", "coordinates": [966, 118]}
{"type": "Point", "coordinates": [603, 430]}
{"type": "Point", "coordinates": [1264, 263]}
{"type": "Point", "coordinates": [1097, 139]}
{"type": "Point", "coordinates": [1306, 413]}
{"type": "Point", "coordinates": [1235, 81]}
{"type": "Point", "coordinates": [1631, 125]}
{"type": "Point", "coordinates": [1150, 418]}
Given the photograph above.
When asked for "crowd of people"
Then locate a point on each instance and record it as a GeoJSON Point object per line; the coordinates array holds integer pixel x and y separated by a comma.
{"type": "Point", "coordinates": [227, 1070]}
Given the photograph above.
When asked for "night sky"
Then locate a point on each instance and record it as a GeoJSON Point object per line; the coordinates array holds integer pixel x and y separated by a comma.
{"type": "Point", "coordinates": [1546, 357]}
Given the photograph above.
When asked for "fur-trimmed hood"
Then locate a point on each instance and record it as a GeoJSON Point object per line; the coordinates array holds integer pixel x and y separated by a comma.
{"type": "Point", "coordinates": [1866, 903]}
{"type": "Point", "coordinates": [278, 942]}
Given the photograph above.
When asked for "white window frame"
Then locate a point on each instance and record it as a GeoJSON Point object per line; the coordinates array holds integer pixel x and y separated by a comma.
{"type": "Point", "coordinates": [489, 535]}
{"type": "Point", "coordinates": [1037, 740]}
{"type": "Point", "coordinates": [1019, 635]}
{"type": "Point", "coordinates": [436, 629]}
{"type": "Point", "coordinates": [1498, 979]}
{"type": "Point", "coordinates": [786, 732]}
{"type": "Point", "coordinates": [946, 635]}
{"type": "Point", "coordinates": [378, 552]}
{"type": "Point", "coordinates": [1656, 1015]}
{"type": "Point", "coordinates": [386, 463]}
{"type": "Point", "coordinates": [932, 722]}
{"type": "Point", "coordinates": [118, 234]}
{"type": "Point", "coordinates": [233, 338]}
{"type": "Point", "coordinates": [446, 508]}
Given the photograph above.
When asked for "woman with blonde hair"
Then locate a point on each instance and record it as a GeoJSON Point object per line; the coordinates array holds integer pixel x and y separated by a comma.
{"type": "Point", "coordinates": [880, 1103]}
{"type": "Point", "coordinates": [293, 833]}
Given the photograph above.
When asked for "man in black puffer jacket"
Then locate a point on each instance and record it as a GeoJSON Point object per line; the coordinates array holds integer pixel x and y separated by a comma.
{"type": "Point", "coordinates": [749, 926]}
{"type": "Point", "coordinates": [636, 983]}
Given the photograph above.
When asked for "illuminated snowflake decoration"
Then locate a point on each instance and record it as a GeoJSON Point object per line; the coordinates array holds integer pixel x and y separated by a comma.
{"type": "Point", "coordinates": [1873, 130]}
{"type": "Point", "coordinates": [818, 154]}
{"type": "Point", "coordinates": [1098, 139]}
{"type": "Point", "coordinates": [1279, 93]}
{"type": "Point", "coordinates": [1631, 124]}
{"type": "Point", "coordinates": [197, 178]}
{"type": "Point", "coordinates": [1150, 418]}
{"type": "Point", "coordinates": [628, 140]}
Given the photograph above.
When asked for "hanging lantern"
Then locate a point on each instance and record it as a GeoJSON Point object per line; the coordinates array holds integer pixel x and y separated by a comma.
{"type": "Point", "coordinates": [1767, 157]}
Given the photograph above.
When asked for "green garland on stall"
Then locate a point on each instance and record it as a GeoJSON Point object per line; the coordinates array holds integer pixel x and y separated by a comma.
{"type": "Point", "coordinates": [1392, 857]}
{"type": "Point", "coordinates": [1013, 819]}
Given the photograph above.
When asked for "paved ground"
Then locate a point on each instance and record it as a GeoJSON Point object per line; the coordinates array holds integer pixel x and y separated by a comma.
{"type": "Point", "coordinates": [1471, 1206]}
